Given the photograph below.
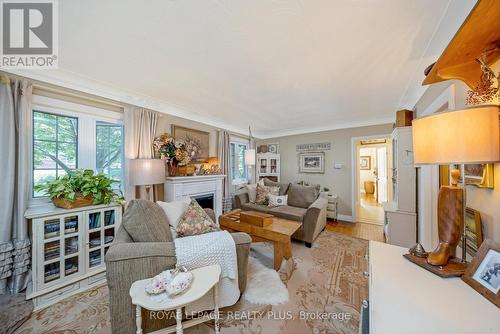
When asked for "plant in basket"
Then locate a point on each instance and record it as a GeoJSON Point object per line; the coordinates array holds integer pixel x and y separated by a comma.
{"type": "Point", "coordinates": [81, 187]}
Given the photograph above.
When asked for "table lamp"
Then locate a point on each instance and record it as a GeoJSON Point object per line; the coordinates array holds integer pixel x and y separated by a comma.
{"type": "Point", "coordinates": [468, 136]}
{"type": "Point", "coordinates": [147, 172]}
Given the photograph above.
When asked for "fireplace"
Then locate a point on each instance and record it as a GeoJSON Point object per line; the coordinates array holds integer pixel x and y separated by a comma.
{"type": "Point", "coordinates": [205, 201]}
{"type": "Point", "coordinates": [205, 189]}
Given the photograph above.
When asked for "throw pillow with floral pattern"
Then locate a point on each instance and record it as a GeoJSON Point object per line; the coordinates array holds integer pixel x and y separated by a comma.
{"type": "Point", "coordinates": [262, 197]}
{"type": "Point", "coordinates": [195, 221]}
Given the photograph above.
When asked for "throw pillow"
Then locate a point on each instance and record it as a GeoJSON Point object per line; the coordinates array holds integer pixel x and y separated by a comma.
{"type": "Point", "coordinates": [174, 210]}
{"type": "Point", "coordinates": [277, 200]}
{"type": "Point", "coordinates": [252, 190]}
{"type": "Point", "coordinates": [145, 221]}
{"type": "Point", "coordinates": [302, 196]}
{"type": "Point", "coordinates": [195, 221]}
{"type": "Point", "coordinates": [263, 192]}
{"type": "Point", "coordinates": [283, 186]}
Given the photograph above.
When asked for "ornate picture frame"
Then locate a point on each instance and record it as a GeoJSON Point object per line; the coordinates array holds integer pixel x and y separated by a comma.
{"type": "Point", "coordinates": [203, 137]}
{"type": "Point", "coordinates": [312, 162]}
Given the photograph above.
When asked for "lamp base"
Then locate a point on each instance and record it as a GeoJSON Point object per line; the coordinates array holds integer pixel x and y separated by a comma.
{"type": "Point", "coordinates": [454, 267]}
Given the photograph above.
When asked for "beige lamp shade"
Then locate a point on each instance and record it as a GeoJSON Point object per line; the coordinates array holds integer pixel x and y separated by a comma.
{"type": "Point", "coordinates": [463, 136]}
{"type": "Point", "coordinates": [146, 171]}
{"type": "Point", "coordinates": [250, 157]}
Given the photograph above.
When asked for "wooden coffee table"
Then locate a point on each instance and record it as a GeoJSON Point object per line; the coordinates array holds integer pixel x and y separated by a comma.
{"type": "Point", "coordinates": [279, 233]}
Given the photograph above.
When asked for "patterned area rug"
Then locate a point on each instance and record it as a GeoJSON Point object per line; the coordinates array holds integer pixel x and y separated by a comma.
{"type": "Point", "coordinates": [325, 283]}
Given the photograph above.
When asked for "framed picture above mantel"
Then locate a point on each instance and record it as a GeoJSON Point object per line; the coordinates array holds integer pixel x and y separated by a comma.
{"type": "Point", "coordinates": [201, 138]}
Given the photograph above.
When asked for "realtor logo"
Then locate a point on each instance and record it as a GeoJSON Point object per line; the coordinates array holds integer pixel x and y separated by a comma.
{"type": "Point", "coordinates": [29, 34]}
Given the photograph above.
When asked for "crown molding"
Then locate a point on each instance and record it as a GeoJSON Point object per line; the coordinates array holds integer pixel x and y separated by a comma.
{"type": "Point", "coordinates": [68, 80]}
{"type": "Point", "coordinates": [338, 126]}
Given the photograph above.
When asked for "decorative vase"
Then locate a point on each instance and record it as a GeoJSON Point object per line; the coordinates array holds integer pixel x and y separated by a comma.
{"type": "Point", "coordinates": [172, 168]}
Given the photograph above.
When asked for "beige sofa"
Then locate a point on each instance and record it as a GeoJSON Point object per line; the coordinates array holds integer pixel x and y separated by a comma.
{"type": "Point", "coordinates": [128, 261]}
{"type": "Point", "coordinates": [305, 204]}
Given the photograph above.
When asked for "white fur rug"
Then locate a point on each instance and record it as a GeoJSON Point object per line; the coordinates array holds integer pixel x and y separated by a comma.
{"type": "Point", "coordinates": [264, 285]}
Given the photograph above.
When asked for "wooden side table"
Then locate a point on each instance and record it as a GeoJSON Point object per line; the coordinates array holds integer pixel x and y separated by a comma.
{"type": "Point", "coordinates": [204, 280]}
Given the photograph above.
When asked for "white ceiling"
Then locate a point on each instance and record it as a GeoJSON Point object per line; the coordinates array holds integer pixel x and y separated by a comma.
{"type": "Point", "coordinates": [283, 67]}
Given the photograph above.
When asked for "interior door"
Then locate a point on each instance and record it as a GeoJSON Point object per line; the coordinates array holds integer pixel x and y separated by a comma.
{"type": "Point", "coordinates": [382, 174]}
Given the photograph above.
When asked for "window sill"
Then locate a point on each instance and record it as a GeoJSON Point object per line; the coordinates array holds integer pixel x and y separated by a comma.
{"type": "Point", "coordinates": [239, 182]}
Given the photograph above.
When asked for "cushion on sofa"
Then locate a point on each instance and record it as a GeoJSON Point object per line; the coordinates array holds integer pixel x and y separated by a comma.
{"type": "Point", "coordinates": [283, 186]}
{"type": "Point", "coordinates": [289, 212]}
{"type": "Point", "coordinates": [145, 221]}
{"type": "Point", "coordinates": [195, 221]}
{"type": "Point", "coordinates": [302, 196]}
{"type": "Point", "coordinates": [263, 192]}
{"type": "Point", "coordinates": [255, 207]}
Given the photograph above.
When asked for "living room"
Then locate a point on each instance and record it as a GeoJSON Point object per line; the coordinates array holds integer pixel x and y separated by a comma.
{"type": "Point", "coordinates": [250, 167]}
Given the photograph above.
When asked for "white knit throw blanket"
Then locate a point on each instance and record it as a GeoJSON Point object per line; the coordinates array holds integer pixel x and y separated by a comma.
{"type": "Point", "coordinates": [207, 249]}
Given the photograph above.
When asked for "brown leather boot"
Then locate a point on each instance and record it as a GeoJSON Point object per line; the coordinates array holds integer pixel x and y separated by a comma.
{"type": "Point", "coordinates": [450, 224]}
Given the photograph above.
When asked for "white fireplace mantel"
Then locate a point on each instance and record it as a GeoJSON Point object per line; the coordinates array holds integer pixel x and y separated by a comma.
{"type": "Point", "coordinates": [179, 187]}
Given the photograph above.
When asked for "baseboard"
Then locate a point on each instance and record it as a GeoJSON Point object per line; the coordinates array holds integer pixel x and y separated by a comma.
{"type": "Point", "coordinates": [345, 218]}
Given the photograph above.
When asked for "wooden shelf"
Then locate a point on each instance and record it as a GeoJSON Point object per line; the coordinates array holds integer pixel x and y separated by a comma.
{"type": "Point", "coordinates": [478, 35]}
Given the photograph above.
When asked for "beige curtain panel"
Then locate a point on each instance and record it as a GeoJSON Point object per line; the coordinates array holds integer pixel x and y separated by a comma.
{"type": "Point", "coordinates": [140, 129]}
{"type": "Point", "coordinates": [15, 119]}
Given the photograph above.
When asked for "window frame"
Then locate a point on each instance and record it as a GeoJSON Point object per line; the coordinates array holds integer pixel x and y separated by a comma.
{"type": "Point", "coordinates": [236, 142]}
{"type": "Point", "coordinates": [87, 116]}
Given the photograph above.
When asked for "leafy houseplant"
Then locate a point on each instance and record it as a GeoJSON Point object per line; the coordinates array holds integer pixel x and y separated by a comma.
{"type": "Point", "coordinates": [80, 187]}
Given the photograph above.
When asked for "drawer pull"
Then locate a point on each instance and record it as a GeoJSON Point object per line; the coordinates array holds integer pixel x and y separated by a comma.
{"type": "Point", "coordinates": [366, 274]}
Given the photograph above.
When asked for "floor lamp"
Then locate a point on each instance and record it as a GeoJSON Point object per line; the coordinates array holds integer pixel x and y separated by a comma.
{"type": "Point", "coordinates": [147, 172]}
{"type": "Point", "coordinates": [467, 136]}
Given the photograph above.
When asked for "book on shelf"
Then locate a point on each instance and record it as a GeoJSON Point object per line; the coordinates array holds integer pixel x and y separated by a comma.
{"type": "Point", "coordinates": [109, 218]}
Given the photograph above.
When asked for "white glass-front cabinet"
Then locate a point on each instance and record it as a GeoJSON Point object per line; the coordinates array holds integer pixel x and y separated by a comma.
{"type": "Point", "coordinates": [68, 248]}
{"type": "Point", "coordinates": [268, 166]}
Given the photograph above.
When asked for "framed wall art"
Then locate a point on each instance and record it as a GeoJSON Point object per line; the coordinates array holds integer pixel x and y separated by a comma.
{"type": "Point", "coordinates": [365, 163]}
{"type": "Point", "coordinates": [312, 162]}
{"type": "Point", "coordinates": [202, 138]}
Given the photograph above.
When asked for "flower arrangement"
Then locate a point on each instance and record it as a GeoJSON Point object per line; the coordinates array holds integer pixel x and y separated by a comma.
{"type": "Point", "coordinates": [175, 152]}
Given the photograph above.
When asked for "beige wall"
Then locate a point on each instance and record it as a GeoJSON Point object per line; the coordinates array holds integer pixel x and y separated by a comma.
{"type": "Point", "coordinates": [338, 180]}
{"type": "Point", "coordinates": [486, 201]}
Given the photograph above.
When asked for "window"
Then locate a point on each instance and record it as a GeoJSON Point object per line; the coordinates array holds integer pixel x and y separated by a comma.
{"type": "Point", "coordinates": [67, 135]}
{"type": "Point", "coordinates": [109, 150]}
{"type": "Point", "coordinates": [237, 159]}
{"type": "Point", "coordinates": [55, 147]}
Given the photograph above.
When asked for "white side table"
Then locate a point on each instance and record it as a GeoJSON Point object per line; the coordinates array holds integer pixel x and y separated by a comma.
{"type": "Point", "coordinates": [204, 280]}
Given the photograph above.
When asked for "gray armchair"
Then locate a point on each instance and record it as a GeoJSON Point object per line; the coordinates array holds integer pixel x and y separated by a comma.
{"type": "Point", "coordinates": [128, 261]}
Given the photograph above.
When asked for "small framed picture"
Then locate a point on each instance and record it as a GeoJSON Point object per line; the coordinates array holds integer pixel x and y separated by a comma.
{"type": "Point", "coordinates": [483, 273]}
{"type": "Point", "coordinates": [312, 162]}
{"type": "Point", "coordinates": [272, 148]}
{"type": "Point", "coordinates": [365, 163]}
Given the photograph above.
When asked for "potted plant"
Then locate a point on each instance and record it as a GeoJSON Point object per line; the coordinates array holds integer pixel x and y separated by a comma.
{"type": "Point", "coordinates": [176, 153]}
{"type": "Point", "coordinates": [80, 187]}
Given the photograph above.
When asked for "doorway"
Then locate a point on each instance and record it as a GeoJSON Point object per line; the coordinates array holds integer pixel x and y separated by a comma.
{"type": "Point", "coordinates": [373, 184]}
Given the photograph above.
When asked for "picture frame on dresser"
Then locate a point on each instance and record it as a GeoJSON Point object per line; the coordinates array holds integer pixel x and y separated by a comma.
{"type": "Point", "coordinates": [483, 273]}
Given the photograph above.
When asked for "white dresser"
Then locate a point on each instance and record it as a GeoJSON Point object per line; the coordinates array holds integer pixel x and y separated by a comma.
{"type": "Point", "coordinates": [68, 249]}
{"type": "Point", "coordinates": [404, 298]}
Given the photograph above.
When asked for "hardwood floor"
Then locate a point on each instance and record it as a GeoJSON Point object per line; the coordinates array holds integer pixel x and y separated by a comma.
{"type": "Point", "coordinates": [359, 230]}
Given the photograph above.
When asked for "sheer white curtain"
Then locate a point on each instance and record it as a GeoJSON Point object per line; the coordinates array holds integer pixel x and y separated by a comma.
{"type": "Point", "coordinates": [223, 153]}
{"type": "Point", "coordinates": [139, 129]}
{"type": "Point", "coordinates": [15, 116]}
